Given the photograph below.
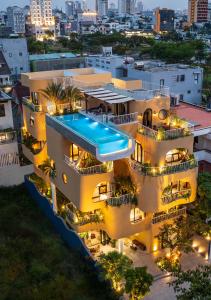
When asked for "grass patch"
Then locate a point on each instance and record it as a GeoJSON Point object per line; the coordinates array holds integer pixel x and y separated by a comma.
{"type": "Point", "coordinates": [35, 263]}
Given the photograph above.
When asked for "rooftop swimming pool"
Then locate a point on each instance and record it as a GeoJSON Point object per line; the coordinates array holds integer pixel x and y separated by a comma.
{"type": "Point", "coordinates": [107, 140]}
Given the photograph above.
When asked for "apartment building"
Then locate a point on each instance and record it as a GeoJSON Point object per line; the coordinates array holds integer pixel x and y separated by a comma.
{"type": "Point", "coordinates": [123, 163]}
{"type": "Point", "coordinates": [16, 54]}
{"type": "Point", "coordinates": [185, 82]}
{"type": "Point", "coordinates": [13, 167]}
{"type": "Point", "coordinates": [164, 20]}
{"type": "Point", "coordinates": [197, 11]}
{"type": "Point", "coordinates": [16, 19]}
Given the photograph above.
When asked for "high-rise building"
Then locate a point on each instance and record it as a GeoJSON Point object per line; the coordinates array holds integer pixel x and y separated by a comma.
{"type": "Point", "coordinates": [69, 8]}
{"type": "Point", "coordinates": [102, 7]}
{"type": "Point", "coordinates": [197, 11]}
{"type": "Point", "coordinates": [140, 7]}
{"type": "Point", "coordinates": [126, 6]}
{"type": "Point", "coordinates": [16, 19]}
{"type": "Point", "coordinates": [41, 17]}
{"type": "Point", "coordinates": [164, 20]}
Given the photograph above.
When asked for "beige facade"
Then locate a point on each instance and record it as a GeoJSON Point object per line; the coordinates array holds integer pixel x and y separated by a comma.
{"type": "Point", "coordinates": [162, 168]}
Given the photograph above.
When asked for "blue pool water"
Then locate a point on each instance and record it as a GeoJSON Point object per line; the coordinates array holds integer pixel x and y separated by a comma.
{"type": "Point", "coordinates": [106, 139]}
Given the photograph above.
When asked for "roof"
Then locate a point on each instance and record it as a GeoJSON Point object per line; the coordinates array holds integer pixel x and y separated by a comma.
{"type": "Point", "coordinates": [196, 115]}
{"type": "Point", "coordinates": [51, 56]}
{"type": "Point", "coordinates": [4, 69]}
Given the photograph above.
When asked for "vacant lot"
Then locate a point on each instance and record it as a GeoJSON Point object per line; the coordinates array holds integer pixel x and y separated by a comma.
{"type": "Point", "coordinates": [34, 261]}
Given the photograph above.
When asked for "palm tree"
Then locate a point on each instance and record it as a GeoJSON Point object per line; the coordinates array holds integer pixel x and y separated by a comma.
{"type": "Point", "coordinates": [72, 95]}
{"type": "Point", "coordinates": [54, 93]}
{"type": "Point", "coordinates": [48, 168]}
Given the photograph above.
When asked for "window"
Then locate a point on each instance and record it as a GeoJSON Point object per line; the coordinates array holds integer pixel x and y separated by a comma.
{"type": "Point", "coordinates": [103, 189]}
{"type": "Point", "coordinates": [31, 121]}
{"type": "Point", "coordinates": [10, 54]}
{"type": "Point", "coordinates": [162, 83]}
{"type": "Point", "coordinates": [163, 114]}
{"type": "Point", "coordinates": [74, 152]}
{"type": "Point", "coordinates": [180, 78]}
{"type": "Point", "coordinates": [64, 178]}
{"type": "Point", "coordinates": [181, 97]}
{"type": "Point", "coordinates": [2, 110]}
{"type": "Point", "coordinates": [136, 215]}
{"type": "Point", "coordinates": [20, 54]}
{"type": "Point", "coordinates": [189, 92]}
{"type": "Point", "coordinates": [196, 77]}
{"type": "Point", "coordinates": [138, 153]}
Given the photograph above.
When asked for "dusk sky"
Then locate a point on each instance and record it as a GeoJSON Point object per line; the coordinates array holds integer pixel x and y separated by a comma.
{"type": "Point", "coordinates": [179, 4]}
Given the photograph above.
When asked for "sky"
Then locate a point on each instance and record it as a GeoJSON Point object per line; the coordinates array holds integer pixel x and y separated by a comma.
{"type": "Point", "coordinates": [179, 4]}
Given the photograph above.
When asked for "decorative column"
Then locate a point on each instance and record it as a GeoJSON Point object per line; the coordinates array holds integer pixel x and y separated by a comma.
{"type": "Point", "coordinates": [120, 245]}
{"type": "Point", "coordinates": [53, 191]}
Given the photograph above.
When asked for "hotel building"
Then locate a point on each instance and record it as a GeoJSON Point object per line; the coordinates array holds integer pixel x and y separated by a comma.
{"type": "Point", "coordinates": [123, 163]}
{"type": "Point", "coordinates": [42, 18]}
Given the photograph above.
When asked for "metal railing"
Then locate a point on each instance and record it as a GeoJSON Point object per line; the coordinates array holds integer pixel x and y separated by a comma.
{"type": "Point", "coordinates": [176, 196]}
{"type": "Point", "coordinates": [123, 119]}
{"type": "Point", "coordinates": [8, 137]}
{"type": "Point", "coordinates": [168, 216]}
{"type": "Point", "coordinates": [162, 134]}
{"type": "Point", "coordinates": [165, 170]}
{"type": "Point", "coordinates": [98, 169]}
{"type": "Point", "coordinates": [35, 107]}
{"type": "Point", "coordinates": [120, 200]}
{"type": "Point", "coordinates": [9, 159]}
{"type": "Point", "coordinates": [146, 92]}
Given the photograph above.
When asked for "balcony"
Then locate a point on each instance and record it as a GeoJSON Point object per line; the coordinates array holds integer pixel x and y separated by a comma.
{"type": "Point", "coordinates": [146, 170]}
{"type": "Point", "coordinates": [7, 136]}
{"type": "Point", "coordinates": [97, 169]}
{"type": "Point", "coordinates": [34, 107]}
{"type": "Point", "coordinates": [121, 200]}
{"type": "Point", "coordinates": [168, 216]}
{"type": "Point", "coordinates": [162, 134]}
{"type": "Point", "coordinates": [183, 194]}
{"type": "Point", "coordinates": [112, 119]}
{"type": "Point", "coordinates": [76, 217]}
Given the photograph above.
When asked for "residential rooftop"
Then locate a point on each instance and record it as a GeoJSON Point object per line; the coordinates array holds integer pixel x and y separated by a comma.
{"type": "Point", "coordinates": [158, 66]}
{"type": "Point", "coordinates": [196, 115]}
{"type": "Point", "coordinates": [51, 56]}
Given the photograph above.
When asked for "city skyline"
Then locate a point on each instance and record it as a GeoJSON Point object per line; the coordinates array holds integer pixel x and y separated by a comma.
{"type": "Point", "coordinates": [148, 4]}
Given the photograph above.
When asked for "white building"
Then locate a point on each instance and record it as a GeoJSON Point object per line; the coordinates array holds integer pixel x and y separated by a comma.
{"type": "Point", "coordinates": [41, 17]}
{"type": "Point", "coordinates": [185, 82]}
{"type": "Point", "coordinates": [16, 54]}
{"type": "Point", "coordinates": [16, 19]}
{"type": "Point", "coordinates": [12, 168]}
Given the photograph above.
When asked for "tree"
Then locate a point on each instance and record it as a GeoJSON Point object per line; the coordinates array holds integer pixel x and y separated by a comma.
{"type": "Point", "coordinates": [176, 236]}
{"type": "Point", "coordinates": [138, 282]}
{"type": "Point", "coordinates": [193, 284]}
{"type": "Point", "coordinates": [114, 267]}
{"type": "Point", "coordinates": [48, 168]}
{"type": "Point", "coordinates": [204, 192]}
{"type": "Point", "coordinates": [54, 93]}
{"type": "Point", "coordinates": [72, 95]}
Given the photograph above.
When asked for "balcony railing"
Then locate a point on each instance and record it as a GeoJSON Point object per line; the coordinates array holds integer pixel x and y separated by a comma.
{"type": "Point", "coordinates": [123, 119]}
{"type": "Point", "coordinates": [121, 200]}
{"type": "Point", "coordinates": [98, 169]}
{"type": "Point", "coordinates": [176, 196]}
{"type": "Point", "coordinates": [8, 137]}
{"type": "Point", "coordinates": [9, 159]}
{"type": "Point", "coordinates": [168, 216]}
{"type": "Point", "coordinates": [35, 107]}
{"type": "Point", "coordinates": [76, 217]}
{"type": "Point", "coordinates": [162, 135]}
{"type": "Point", "coordinates": [165, 170]}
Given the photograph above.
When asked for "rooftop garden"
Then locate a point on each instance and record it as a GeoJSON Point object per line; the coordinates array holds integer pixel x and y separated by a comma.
{"type": "Point", "coordinates": [35, 263]}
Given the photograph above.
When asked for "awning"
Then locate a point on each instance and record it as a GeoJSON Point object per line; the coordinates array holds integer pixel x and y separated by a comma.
{"type": "Point", "coordinates": [108, 96]}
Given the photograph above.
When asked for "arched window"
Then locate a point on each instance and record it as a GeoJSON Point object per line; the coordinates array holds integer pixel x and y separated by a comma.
{"type": "Point", "coordinates": [138, 153]}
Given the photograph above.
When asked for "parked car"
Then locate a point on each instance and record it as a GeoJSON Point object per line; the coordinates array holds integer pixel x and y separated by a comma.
{"type": "Point", "coordinates": [138, 245]}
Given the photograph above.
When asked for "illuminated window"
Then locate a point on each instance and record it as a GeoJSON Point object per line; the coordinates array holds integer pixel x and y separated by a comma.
{"type": "Point", "coordinates": [103, 189]}
{"type": "Point", "coordinates": [136, 215]}
{"type": "Point", "coordinates": [64, 178]}
{"type": "Point", "coordinates": [74, 152]}
{"type": "Point", "coordinates": [31, 121]}
{"type": "Point", "coordinates": [138, 153]}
